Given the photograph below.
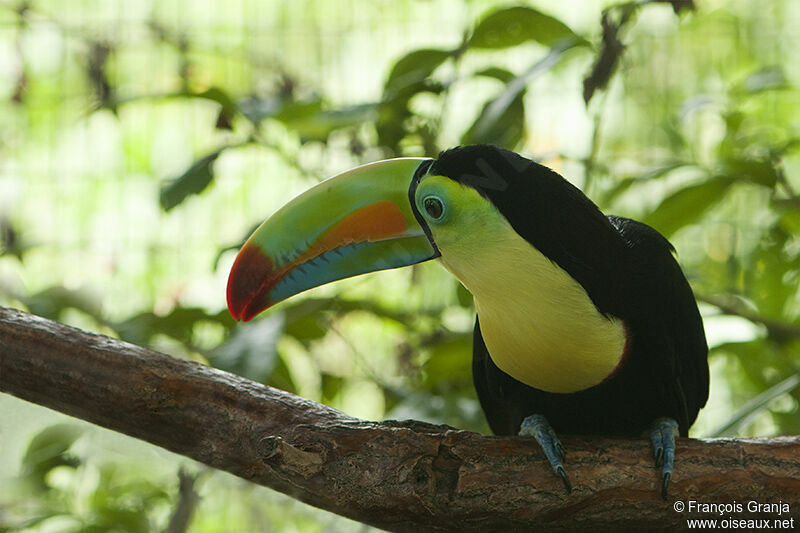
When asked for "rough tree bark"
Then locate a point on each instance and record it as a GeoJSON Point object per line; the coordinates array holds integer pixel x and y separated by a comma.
{"type": "Point", "coordinates": [399, 476]}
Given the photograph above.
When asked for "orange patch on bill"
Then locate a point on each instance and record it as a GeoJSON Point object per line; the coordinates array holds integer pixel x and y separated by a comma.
{"type": "Point", "coordinates": [373, 222]}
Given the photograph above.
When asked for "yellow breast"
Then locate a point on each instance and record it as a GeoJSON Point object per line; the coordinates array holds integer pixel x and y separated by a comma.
{"type": "Point", "coordinates": [538, 322]}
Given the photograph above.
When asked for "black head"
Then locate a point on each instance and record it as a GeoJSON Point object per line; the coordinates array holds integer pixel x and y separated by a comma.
{"type": "Point", "coordinates": [481, 166]}
{"type": "Point", "coordinates": [516, 185]}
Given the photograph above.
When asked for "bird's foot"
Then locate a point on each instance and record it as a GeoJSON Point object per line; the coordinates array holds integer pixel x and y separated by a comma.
{"type": "Point", "coordinates": [662, 434]}
{"type": "Point", "coordinates": [538, 427]}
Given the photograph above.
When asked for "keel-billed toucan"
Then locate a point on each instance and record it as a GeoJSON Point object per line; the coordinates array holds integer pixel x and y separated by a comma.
{"type": "Point", "coordinates": [585, 322]}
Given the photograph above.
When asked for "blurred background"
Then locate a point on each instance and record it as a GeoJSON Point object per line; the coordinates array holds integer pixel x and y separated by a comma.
{"type": "Point", "coordinates": [141, 142]}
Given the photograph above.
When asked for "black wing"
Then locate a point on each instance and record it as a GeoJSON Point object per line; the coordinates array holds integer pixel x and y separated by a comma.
{"type": "Point", "coordinates": [673, 341]}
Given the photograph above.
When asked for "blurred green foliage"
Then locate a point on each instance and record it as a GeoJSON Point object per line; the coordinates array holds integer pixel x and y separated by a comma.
{"type": "Point", "coordinates": [139, 146]}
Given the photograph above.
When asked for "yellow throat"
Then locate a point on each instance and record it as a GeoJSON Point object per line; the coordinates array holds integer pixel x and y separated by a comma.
{"type": "Point", "coordinates": [538, 323]}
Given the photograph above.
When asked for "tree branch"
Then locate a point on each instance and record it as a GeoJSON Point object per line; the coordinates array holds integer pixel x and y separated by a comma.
{"type": "Point", "coordinates": [396, 475]}
{"type": "Point", "coordinates": [731, 304]}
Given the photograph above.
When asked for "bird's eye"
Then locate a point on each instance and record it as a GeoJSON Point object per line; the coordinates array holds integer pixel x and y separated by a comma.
{"type": "Point", "coordinates": [434, 207]}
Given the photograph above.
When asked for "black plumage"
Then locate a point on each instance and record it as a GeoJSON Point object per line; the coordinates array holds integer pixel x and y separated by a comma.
{"type": "Point", "coordinates": [628, 271]}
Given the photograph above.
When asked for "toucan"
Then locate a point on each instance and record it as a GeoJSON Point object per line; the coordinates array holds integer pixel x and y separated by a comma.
{"type": "Point", "coordinates": [585, 322]}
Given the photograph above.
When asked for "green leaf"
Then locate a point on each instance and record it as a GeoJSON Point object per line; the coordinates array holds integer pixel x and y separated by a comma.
{"type": "Point", "coordinates": [121, 504]}
{"type": "Point", "coordinates": [513, 26]}
{"type": "Point", "coordinates": [331, 386]}
{"type": "Point", "coordinates": [178, 324]}
{"type": "Point", "coordinates": [305, 329]}
{"type": "Point", "coordinates": [281, 377]}
{"type": "Point", "coordinates": [49, 303]}
{"type": "Point", "coordinates": [506, 76]}
{"type": "Point", "coordinates": [47, 450]}
{"type": "Point", "coordinates": [292, 111]}
{"type": "Point", "coordinates": [311, 306]}
{"type": "Point", "coordinates": [308, 307]}
{"type": "Point", "coordinates": [758, 171]}
{"type": "Point", "coordinates": [449, 365]}
{"type": "Point", "coordinates": [29, 523]}
{"type": "Point", "coordinates": [194, 181]}
{"type": "Point", "coordinates": [252, 349]}
{"type": "Point", "coordinates": [312, 122]}
{"type": "Point", "coordinates": [502, 120]}
{"type": "Point", "coordinates": [411, 70]}
{"type": "Point", "coordinates": [219, 96]}
{"type": "Point", "coordinates": [767, 271]}
{"type": "Point", "coordinates": [790, 222]}
{"type": "Point", "coordinates": [733, 121]}
{"type": "Point", "coordinates": [505, 128]}
{"type": "Point", "coordinates": [687, 205]}
{"type": "Point", "coordinates": [409, 76]}
{"type": "Point", "coordinates": [752, 358]}
{"type": "Point", "coordinates": [787, 147]}
{"type": "Point", "coordinates": [676, 139]}
{"type": "Point", "coordinates": [228, 106]}
{"type": "Point", "coordinates": [755, 406]}
{"type": "Point", "coordinates": [623, 185]}
{"type": "Point", "coordinates": [320, 126]}
{"type": "Point", "coordinates": [391, 123]}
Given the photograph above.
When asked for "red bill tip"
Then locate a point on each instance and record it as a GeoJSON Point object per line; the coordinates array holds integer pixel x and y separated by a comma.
{"type": "Point", "coordinates": [248, 283]}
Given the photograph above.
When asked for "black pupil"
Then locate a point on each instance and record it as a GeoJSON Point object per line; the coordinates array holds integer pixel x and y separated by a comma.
{"type": "Point", "coordinates": [434, 207]}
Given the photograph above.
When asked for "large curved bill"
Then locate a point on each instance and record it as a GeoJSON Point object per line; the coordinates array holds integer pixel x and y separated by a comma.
{"type": "Point", "coordinates": [356, 222]}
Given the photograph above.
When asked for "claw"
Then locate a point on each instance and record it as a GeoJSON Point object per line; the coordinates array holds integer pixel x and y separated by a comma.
{"type": "Point", "coordinates": [662, 435]}
{"type": "Point", "coordinates": [665, 484]}
{"type": "Point", "coordinates": [537, 426]}
{"type": "Point", "coordinates": [560, 471]}
{"type": "Point", "coordinates": [659, 456]}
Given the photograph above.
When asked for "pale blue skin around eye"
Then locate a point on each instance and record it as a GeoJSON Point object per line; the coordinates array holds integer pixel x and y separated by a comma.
{"type": "Point", "coordinates": [441, 195]}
